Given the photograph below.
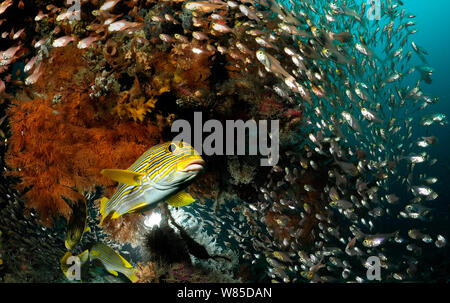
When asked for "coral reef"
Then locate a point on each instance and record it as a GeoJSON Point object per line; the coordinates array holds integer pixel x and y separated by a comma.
{"type": "Point", "coordinates": [57, 147]}
{"type": "Point", "coordinates": [154, 272]}
{"type": "Point", "coordinates": [95, 92]}
{"type": "Point", "coordinates": [32, 252]}
{"type": "Point", "coordinates": [148, 273]}
{"type": "Point", "coordinates": [128, 228]}
{"type": "Point", "coordinates": [114, 92]}
{"type": "Point", "coordinates": [117, 97]}
{"type": "Point", "coordinates": [241, 174]}
{"type": "Point", "coordinates": [198, 231]}
{"type": "Point", "coordinates": [206, 187]}
{"type": "Point", "coordinates": [171, 255]}
{"type": "Point", "coordinates": [164, 245]}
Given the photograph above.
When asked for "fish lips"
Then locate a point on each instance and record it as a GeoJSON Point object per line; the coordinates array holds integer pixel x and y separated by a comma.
{"type": "Point", "coordinates": [194, 165]}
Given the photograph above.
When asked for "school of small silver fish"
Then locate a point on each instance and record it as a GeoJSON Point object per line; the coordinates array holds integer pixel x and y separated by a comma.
{"type": "Point", "coordinates": [351, 78]}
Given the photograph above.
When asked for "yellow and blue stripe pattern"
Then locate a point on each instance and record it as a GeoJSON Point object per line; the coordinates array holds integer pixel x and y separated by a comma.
{"type": "Point", "coordinates": [158, 174]}
{"type": "Point", "coordinates": [161, 160]}
{"type": "Point", "coordinates": [112, 261]}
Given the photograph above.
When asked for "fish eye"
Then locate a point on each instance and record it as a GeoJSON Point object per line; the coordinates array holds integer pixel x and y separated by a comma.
{"type": "Point", "coordinates": [172, 147]}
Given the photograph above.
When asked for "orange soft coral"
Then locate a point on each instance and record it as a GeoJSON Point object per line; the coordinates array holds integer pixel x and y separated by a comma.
{"type": "Point", "coordinates": [135, 109]}
{"type": "Point", "coordinates": [147, 273]}
{"type": "Point", "coordinates": [57, 147]}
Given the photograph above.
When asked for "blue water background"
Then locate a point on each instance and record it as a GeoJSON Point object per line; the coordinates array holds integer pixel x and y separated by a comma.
{"type": "Point", "coordinates": [433, 24]}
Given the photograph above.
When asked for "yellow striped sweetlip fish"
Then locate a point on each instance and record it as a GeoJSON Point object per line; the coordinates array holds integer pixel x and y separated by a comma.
{"type": "Point", "coordinates": [112, 261]}
{"type": "Point", "coordinates": [160, 174]}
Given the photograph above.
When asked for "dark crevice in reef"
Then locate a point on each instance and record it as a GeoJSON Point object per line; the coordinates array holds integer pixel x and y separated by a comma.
{"type": "Point", "coordinates": [219, 73]}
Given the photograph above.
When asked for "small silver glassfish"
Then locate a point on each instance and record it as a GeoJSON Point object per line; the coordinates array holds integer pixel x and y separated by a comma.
{"type": "Point", "coordinates": [63, 41]}
{"type": "Point", "coordinates": [4, 5]}
{"type": "Point", "coordinates": [378, 239]}
{"type": "Point", "coordinates": [205, 6]}
{"type": "Point", "coordinates": [86, 42]}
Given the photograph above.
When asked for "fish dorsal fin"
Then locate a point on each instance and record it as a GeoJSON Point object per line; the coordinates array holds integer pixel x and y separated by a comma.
{"type": "Point", "coordinates": [123, 176]}
{"type": "Point", "coordinates": [180, 199]}
{"type": "Point", "coordinates": [115, 215]}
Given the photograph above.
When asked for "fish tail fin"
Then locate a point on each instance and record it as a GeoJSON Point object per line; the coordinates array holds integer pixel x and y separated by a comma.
{"type": "Point", "coordinates": [133, 278]}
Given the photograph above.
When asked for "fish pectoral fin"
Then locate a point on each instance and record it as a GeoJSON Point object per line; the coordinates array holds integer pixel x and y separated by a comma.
{"type": "Point", "coordinates": [87, 229]}
{"type": "Point", "coordinates": [113, 272]}
{"type": "Point", "coordinates": [115, 215]}
{"type": "Point", "coordinates": [137, 207]}
{"type": "Point", "coordinates": [123, 176]}
{"type": "Point", "coordinates": [180, 199]}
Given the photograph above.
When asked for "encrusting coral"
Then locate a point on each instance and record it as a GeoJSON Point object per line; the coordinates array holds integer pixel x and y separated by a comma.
{"type": "Point", "coordinates": [241, 173]}
{"type": "Point", "coordinates": [103, 106]}
{"type": "Point", "coordinates": [125, 229]}
{"type": "Point", "coordinates": [115, 98]}
{"type": "Point", "coordinates": [58, 148]}
{"type": "Point", "coordinates": [155, 272]}
{"type": "Point", "coordinates": [148, 273]}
